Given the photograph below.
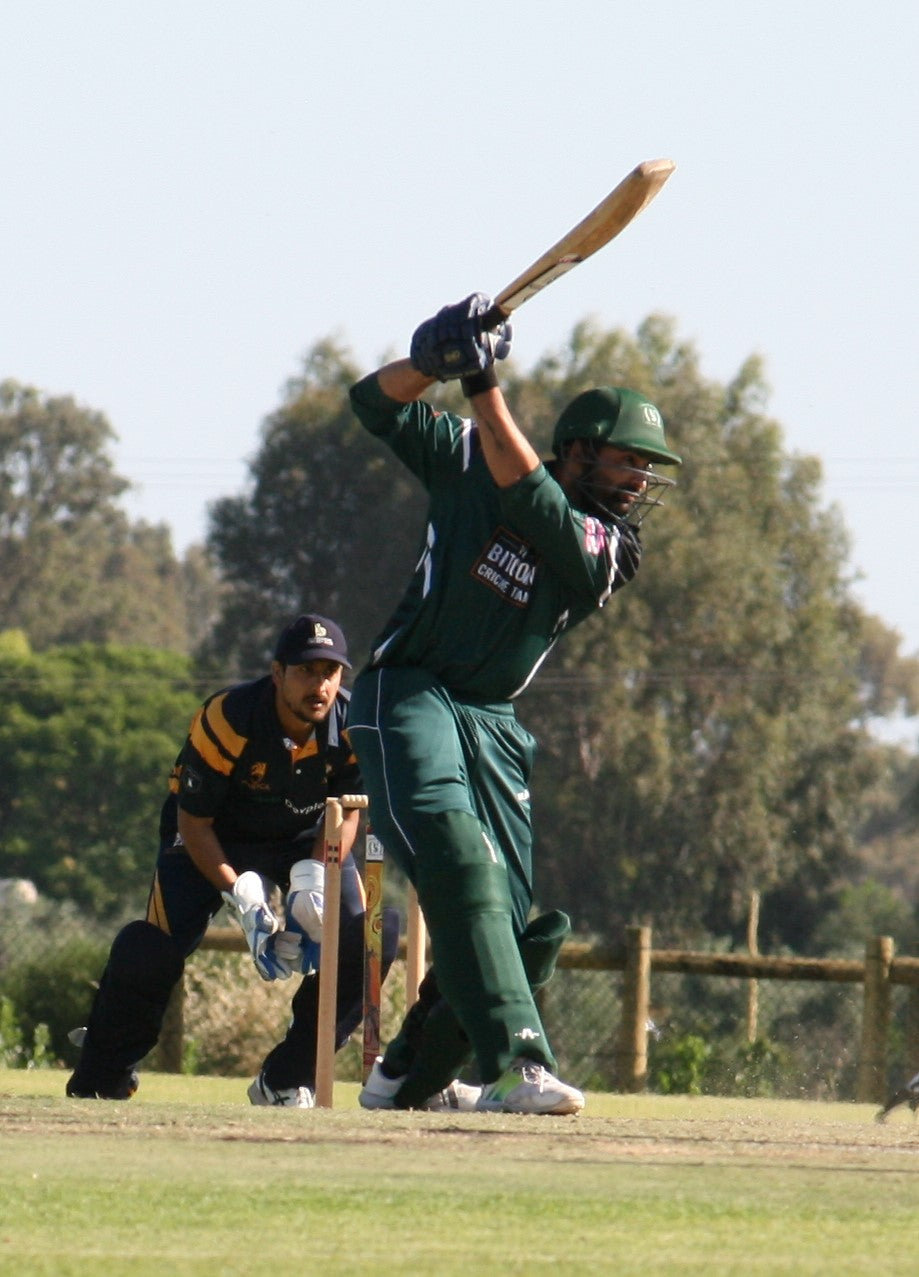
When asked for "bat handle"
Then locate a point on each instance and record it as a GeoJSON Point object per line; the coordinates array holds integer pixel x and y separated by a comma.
{"type": "Point", "coordinates": [492, 317]}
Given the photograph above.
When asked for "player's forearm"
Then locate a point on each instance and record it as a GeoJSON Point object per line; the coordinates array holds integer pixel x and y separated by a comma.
{"type": "Point", "coordinates": [402, 381]}
{"type": "Point", "coordinates": [207, 855]}
{"type": "Point", "coordinates": [509, 455]}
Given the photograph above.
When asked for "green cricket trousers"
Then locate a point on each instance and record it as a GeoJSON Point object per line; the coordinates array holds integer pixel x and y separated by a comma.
{"type": "Point", "coordinates": [449, 799]}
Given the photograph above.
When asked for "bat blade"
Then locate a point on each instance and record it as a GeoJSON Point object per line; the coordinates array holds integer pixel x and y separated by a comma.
{"type": "Point", "coordinates": [611, 216]}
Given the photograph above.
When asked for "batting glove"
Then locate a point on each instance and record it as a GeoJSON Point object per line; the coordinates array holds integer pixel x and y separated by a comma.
{"type": "Point", "coordinates": [249, 904]}
{"type": "Point", "coordinates": [452, 344]}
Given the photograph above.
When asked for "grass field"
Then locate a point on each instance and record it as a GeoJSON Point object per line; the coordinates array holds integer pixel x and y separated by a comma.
{"type": "Point", "coordinates": [188, 1178]}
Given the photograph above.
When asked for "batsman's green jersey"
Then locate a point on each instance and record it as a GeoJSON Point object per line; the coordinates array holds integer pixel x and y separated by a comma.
{"type": "Point", "coordinates": [501, 574]}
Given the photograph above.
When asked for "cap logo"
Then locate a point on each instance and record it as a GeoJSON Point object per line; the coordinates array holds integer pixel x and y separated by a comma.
{"type": "Point", "coordinates": [310, 638]}
{"type": "Point", "coordinates": [651, 415]}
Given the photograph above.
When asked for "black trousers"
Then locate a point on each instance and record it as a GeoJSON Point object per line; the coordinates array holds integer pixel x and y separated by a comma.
{"type": "Point", "coordinates": [147, 959]}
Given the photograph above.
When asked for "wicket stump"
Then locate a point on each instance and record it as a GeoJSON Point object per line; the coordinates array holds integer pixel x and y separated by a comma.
{"type": "Point", "coordinates": [415, 947]}
{"type": "Point", "coordinates": [328, 959]}
{"type": "Point", "coordinates": [373, 950]}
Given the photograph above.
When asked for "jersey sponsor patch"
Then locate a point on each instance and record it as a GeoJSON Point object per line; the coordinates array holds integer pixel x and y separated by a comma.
{"type": "Point", "coordinates": [313, 809]}
{"type": "Point", "coordinates": [508, 566]}
{"type": "Point", "coordinates": [596, 536]}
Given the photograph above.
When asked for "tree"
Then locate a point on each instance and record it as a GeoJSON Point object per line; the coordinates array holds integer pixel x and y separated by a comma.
{"type": "Point", "coordinates": [889, 839]}
{"type": "Point", "coordinates": [87, 739]}
{"type": "Point", "coordinates": [330, 524]}
{"type": "Point", "coordinates": [712, 740]}
{"type": "Point", "coordinates": [73, 568]}
{"type": "Point", "coordinates": [703, 736]}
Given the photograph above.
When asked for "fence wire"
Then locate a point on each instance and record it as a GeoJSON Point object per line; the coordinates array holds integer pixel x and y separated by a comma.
{"type": "Point", "coordinates": [802, 1042]}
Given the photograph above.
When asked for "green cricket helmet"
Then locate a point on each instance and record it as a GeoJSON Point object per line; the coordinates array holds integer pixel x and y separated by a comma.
{"type": "Point", "coordinates": [616, 416]}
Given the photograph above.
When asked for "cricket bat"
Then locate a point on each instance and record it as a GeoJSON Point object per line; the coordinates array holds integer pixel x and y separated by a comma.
{"type": "Point", "coordinates": [611, 216]}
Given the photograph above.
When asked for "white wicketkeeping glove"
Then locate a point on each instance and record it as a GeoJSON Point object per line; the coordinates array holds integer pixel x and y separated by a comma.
{"type": "Point", "coordinates": [269, 946]}
{"type": "Point", "coordinates": [305, 899]}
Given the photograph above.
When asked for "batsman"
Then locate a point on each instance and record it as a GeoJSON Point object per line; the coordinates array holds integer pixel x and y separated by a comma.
{"type": "Point", "coordinates": [514, 553]}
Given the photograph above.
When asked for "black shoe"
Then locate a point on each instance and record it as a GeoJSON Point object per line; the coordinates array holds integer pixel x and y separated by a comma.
{"type": "Point", "coordinates": [908, 1094]}
{"type": "Point", "coordinates": [120, 1087]}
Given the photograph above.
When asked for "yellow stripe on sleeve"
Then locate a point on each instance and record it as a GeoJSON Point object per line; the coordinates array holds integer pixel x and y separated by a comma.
{"type": "Point", "coordinates": [215, 740]}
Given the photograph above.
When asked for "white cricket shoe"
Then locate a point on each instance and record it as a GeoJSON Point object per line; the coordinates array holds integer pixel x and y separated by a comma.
{"type": "Point", "coordinates": [292, 1097]}
{"type": "Point", "coordinates": [458, 1097]}
{"type": "Point", "coordinates": [379, 1092]}
{"type": "Point", "coordinates": [528, 1087]}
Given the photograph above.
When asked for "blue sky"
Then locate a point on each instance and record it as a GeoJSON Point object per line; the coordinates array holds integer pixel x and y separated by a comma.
{"type": "Point", "coordinates": [194, 193]}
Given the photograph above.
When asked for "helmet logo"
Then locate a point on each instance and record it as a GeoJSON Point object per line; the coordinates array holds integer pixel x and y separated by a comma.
{"type": "Point", "coordinates": [651, 415]}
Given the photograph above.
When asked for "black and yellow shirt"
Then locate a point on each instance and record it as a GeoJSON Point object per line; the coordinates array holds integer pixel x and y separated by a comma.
{"type": "Point", "coordinates": [238, 767]}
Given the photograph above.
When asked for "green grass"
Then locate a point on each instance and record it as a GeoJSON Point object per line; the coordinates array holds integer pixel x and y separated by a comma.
{"type": "Point", "coordinates": [190, 1179]}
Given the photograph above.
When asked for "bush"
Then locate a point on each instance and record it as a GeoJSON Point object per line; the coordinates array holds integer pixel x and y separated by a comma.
{"type": "Point", "coordinates": [14, 1054]}
{"type": "Point", "coordinates": [759, 1068]}
{"type": "Point", "coordinates": [51, 957]}
{"type": "Point", "coordinates": [691, 1065]}
{"type": "Point", "coordinates": [678, 1067]}
{"type": "Point", "coordinates": [232, 1018]}
{"type": "Point", "coordinates": [53, 993]}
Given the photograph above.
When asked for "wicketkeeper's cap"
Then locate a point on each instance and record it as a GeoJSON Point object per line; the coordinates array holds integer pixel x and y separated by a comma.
{"type": "Point", "coordinates": [311, 638]}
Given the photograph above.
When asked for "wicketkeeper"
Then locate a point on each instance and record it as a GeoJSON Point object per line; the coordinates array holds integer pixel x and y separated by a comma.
{"type": "Point", "coordinates": [244, 815]}
{"type": "Point", "coordinates": [514, 553]}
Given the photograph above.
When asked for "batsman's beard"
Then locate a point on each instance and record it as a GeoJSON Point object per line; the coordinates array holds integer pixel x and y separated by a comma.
{"type": "Point", "coordinates": [629, 503]}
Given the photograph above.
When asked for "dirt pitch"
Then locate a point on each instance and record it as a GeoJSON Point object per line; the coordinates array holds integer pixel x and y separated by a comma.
{"type": "Point", "coordinates": [678, 1129]}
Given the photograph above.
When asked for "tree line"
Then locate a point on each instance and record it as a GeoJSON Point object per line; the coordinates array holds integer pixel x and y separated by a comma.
{"type": "Point", "coordinates": [706, 735]}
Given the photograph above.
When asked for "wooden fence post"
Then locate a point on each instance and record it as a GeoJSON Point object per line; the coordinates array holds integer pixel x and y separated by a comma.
{"type": "Point", "coordinates": [632, 1046]}
{"type": "Point", "coordinates": [871, 1086]}
{"type": "Point", "coordinates": [753, 985]}
{"type": "Point", "coordinates": [912, 1030]}
{"type": "Point", "coordinates": [173, 1031]}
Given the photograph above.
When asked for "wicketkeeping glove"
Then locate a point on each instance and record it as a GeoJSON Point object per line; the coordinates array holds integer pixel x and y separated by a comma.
{"type": "Point", "coordinates": [452, 344]}
{"type": "Point", "coordinates": [298, 945]}
{"type": "Point", "coordinates": [305, 898]}
{"type": "Point", "coordinates": [267, 944]}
